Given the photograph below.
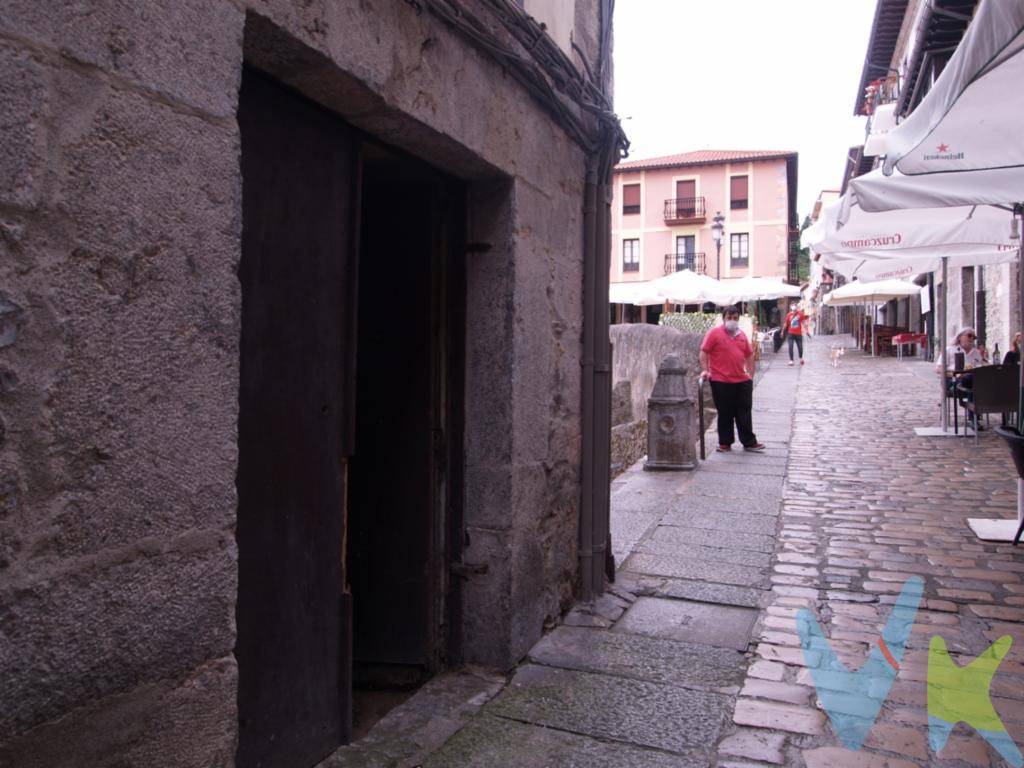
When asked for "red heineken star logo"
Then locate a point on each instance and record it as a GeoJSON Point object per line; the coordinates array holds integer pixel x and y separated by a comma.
{"type": "Point", "coordinates": [943, 148]}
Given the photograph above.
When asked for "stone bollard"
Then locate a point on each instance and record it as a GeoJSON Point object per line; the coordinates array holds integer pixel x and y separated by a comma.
{"type": "Point", "coordinates": [671, 420]}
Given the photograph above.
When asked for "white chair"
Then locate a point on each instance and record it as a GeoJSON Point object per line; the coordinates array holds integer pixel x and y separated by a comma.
{"type": "Point", "coordinates": [766, 340]}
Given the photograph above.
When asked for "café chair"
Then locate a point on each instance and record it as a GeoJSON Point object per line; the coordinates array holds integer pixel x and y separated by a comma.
{"type": "Point", "coordinates": [994, 390]}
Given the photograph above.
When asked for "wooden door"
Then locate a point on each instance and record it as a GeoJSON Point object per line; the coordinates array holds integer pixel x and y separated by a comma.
{"type": "Point", "coordinates": [686, 199]}
{"type": "Point", "coordinates": [300, 171]}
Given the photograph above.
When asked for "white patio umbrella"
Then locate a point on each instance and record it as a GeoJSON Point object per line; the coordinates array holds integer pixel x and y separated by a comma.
{"type": "Point", "coordinates": [756, 288]}
{"type": "Point", "coordinates": [860, 292]}
{"type": "Point", "coordinates": [688, 287]}
{"type": "Point", "coordinates": [992, 186]}
{"type": "Point", "coordinates": [970, 120]}
{"type": "Point", "coordinates": [888, 244]}
{"type": "Point", "coordinates": [962, 146]}
{"type": "Point", "coordinates": [638, 293]}
{"type": "Point", "coordinates": [898, 243]}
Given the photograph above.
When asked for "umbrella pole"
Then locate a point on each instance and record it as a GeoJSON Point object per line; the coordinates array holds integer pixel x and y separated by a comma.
{"type": "Point", "coordinates": [942, 345]}
{"type": "Point", "coordinates": [874, 332]}
{"type": "Point", "coordinates": [1001, 529]}
{"type": "Point", "coordinates": [1018, 211]}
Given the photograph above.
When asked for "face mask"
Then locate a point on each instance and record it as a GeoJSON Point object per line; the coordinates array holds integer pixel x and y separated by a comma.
{"type": "Point", "coordinates": [732, 325]}
{"type": "Point", "coordinates": [792, 307]}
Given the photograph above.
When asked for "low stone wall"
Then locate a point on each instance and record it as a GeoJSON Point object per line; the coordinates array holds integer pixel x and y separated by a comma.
{"type": "Point", "coordinates": [637, 351]}
{"type": "Point", "coordinates": [629, 445]}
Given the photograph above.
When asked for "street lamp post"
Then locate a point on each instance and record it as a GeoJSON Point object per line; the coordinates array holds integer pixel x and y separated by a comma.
{"type": "Point", "coordinates": [716, 234]}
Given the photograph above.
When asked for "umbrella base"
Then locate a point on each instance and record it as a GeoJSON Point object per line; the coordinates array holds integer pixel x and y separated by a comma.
{"type": "Point", "coordinates": [993, 530]}
{"type": "Point", "coordinates": [940, 432]}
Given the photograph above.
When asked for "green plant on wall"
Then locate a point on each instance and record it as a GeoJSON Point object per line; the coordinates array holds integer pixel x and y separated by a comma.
{"type": "Point", "coordinates": [689, 322]}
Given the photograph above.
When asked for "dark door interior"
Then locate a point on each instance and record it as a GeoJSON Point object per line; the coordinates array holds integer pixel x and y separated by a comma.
{"type": "Point", "coordinates": [299, 167]}
{"type": "Point", "coordinates": [397, 500]}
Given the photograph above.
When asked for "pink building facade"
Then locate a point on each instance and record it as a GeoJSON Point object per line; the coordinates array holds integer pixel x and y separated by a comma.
{"type": "Point", "coordinates": [663, 210]}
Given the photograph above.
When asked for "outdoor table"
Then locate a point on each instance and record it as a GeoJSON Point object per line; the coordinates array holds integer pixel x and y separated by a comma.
{"type": "Point", "coordinates": [901, 340]}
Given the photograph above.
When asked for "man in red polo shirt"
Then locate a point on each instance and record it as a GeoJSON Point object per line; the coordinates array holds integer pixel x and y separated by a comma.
{"type": "Point", "coordinates": [727, 359]}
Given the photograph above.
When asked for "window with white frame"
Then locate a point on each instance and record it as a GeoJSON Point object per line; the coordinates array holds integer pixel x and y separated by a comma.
{"type": "Point", "coordinates": [739, 249]}
{"type": "Point", "coordinates": [631, 255]}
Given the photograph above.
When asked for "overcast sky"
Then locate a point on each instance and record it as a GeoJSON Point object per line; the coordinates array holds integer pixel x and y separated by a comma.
{"type": "Point", "coordinates": [744, 74]}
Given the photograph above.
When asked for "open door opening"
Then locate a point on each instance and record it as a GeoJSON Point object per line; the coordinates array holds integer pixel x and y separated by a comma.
{"type": "Point", "coordinates": [350, 452]}
{"type": "Point", "coordinates": [408, 363]}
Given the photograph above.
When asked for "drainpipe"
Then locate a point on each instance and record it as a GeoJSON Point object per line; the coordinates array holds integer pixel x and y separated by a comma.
{"type": "Point", "coordinates": [587, 426]}
{"type": "Point", "coordinates": [596, 393]}
{"type": "Point", "coordinates": [601, 532]}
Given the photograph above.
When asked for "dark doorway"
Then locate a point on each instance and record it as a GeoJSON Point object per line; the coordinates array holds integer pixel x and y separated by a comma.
{"type": "Point", "coordinates": [300, 174]}
{"type": "Point", "coordinates": [350, 448]}
{"type": "Point", "coordinates": [408, 384]}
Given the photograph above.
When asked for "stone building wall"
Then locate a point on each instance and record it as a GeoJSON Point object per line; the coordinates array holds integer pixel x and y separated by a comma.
{"type": "Point", "coordinates": [1001, 304]}
{"type": "Point", "coordinates": [120, 200]}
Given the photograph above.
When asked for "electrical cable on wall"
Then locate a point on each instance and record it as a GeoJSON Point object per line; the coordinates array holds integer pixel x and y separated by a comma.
{"type": "Point", "coordinates": [544, 70]}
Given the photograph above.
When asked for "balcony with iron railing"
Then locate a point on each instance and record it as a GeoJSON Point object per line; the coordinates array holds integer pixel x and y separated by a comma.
{"type": "Point", "coordinates": [797, 261]}
{"type": "Point", "coordinates": [685, 210]}
{"type": "Point", "coordinates": [677, 262]}
{"type": "Point", "coordinates": [879, 92]}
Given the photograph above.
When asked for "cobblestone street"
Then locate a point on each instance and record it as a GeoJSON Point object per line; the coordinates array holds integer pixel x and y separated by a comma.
{"type": "Point", "coordinates": [866, 504]}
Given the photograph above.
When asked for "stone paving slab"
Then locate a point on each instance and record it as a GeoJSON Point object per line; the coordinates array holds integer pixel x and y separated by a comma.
{"type": "Point", "coordinates": [692, 516]}
{"type": "Point", "coordinates": [613, 708]}
{"type": "Point", "coordinates": [648, 501]}
{"type": "Point", "coordinates": [716, 625]}
{"type": "Point", "coordinates": [642, 657]}
{"type": "Point", "coordinates": [423, 723]}
{"type": "Point", "coordinates": [759, 469]}
{"type": "Point", "coordinates": [654, 545]}
{"type": "Point", "coordinates": [707, 537]}
{"type": "Point", "coordinates": [628, 528]}
{"type": "Point", "coordinates": [703, 570]}
{"type": "Point", "coordinates": [751, 489]}
{"type": "Point", "coordinates": [493, 742]}
{"type": "Point", "coordinates": [738, 460]}
{"type": "Point", "coordinates": [687, 589]}
{"type": "Point", "coordinates": [724, 503]}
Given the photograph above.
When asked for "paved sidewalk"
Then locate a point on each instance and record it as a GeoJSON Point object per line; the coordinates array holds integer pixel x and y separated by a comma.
{"type": "Point", "coordinates": [649, 674]}
{"type": "Point", "coordinates": [693, 658]}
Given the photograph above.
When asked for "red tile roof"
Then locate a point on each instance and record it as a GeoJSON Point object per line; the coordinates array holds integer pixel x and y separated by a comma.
{"type": "Point", "coordinates": [703, 157]}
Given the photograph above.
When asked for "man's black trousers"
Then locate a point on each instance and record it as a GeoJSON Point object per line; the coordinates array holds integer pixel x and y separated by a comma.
{"type": "Point", "coordinates": [733, 402]}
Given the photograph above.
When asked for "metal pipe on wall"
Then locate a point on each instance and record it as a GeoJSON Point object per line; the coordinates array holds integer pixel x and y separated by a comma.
{"type": "Point", "coordinates": [587, 425]}
{"type": "Point", "coordinates": [601, 531]}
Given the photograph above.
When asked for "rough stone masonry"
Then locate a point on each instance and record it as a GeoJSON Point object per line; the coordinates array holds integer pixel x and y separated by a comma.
{"type": "Point", "coordinates": [120, 200]}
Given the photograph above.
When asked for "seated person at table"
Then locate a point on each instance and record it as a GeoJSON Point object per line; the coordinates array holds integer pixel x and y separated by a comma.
{"type": "Point", "coordinates": [1013, 356]}
{"type": "Point", "coordinates": [962, 342]}
{"type": "Point", "coordinates": [974, 356]}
